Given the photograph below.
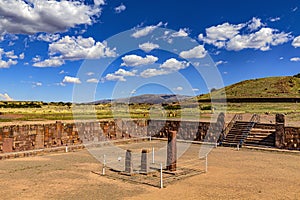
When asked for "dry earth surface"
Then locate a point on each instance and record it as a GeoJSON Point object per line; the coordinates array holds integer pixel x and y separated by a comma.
{"type": "Point", "coordinates": [244, 174]}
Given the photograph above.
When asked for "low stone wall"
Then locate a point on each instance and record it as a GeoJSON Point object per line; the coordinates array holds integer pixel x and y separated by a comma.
{"type": "Point", "coordinates": [291, 138]}
{"type": "Point", "coordinates": [186, 130]}
{"type": "Point", "coordinates": [33, 137]}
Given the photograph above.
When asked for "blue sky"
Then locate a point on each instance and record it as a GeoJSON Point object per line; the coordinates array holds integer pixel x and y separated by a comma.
{"type": "Point", "coordinates": [84, 50]}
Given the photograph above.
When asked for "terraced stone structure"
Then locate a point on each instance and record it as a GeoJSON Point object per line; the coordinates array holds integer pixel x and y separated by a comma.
{"type": "Point", "coordinates": [20, 138]}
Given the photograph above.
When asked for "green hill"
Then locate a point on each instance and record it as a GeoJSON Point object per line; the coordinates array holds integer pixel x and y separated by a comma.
{"type": "Point", "coordinates": [271, 87]}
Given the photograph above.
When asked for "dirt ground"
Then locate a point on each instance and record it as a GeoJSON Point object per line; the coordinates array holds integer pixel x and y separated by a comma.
{"type": "Point", "coordinates": [232, 174]}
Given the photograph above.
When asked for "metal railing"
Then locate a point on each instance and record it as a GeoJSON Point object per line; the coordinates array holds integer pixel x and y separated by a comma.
{"type": "Point", "coordinates": [254, 119]}
{"type": "Point", "coordinates": [236, 117]}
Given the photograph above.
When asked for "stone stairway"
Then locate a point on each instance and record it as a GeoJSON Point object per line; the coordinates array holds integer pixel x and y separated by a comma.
{"type": "Point", "coordinates": [261, 137]}
{"type": "Point", "coordinates": [238, 133]}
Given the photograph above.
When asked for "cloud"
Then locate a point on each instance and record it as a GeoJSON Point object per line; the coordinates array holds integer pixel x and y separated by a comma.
{"type": "Point", "coordinates": [92, 80]}
{"type": "Point", "coordinates": [62, 72]}
{"type": "Point", "coordinates": [51, 62]}
{"type": "Point", "coordinates": [22, 56]}
{"type": "Point", "coordinates": [69, 79]}
{"type": "Point", "coordinates": [113, 77]}
{"type": "Point", "coordinates": [9, 58]}
{"type": "Point", "coordinates": [249, 35]}
{"type": "Point", "coordinates": [133, 92]}
{"type": "Point", "coordinates": [11, 54]}
{"type": "Point", "coordinates": [174, 65]}
{"type": "Point", "coordinates": [123, 72]}
{"type": "Point", "coordinates": [148, 46]}
{"type": "Point", "coordinates": [181, 33]}
{"type": "Point", "coordinates": [99, 2]}
{"type": "Point", "coordinates": [169, 66]}
{"type": "Point", "coordinates": [90, 73]}
{"type": "Point", "coordinates": [296, 42]}
{"type": "Point", "coordinates": [275, 19]}
{"type": "Point", "coordinates": [217, 35]}
{"type": "Point", "coordinates": [120, 8]}
{"type": "Point", "coordinates": [196, 52]}
{"type": "Point", "coordinates": [220, 62]}
{"type": "Point", "coordinates": [37, 58]}
{"type": "Point", "coordinates": [261, 40]}
{"type": "Point", "coordinates": [146, 30]}
{"type": "Point", "coordinates": [5, 97]}
{"type": "Point", "coordinates": [195, 89]}
{"type": "Point", "coordinates": [134, 60]}
{"type": "Point", "coordinates": [76, 48]}
{"type": "Point", "coordinates": [120, 75]}
{"type": "Point", "coordinates": [179, 88]}
{"type": "Point", "coordinates": [153, 72]}
{"type": "Point", "coordinates": [36, 84]}
{"type": "Point", "coordinates": [255, 23]}
{"type": "Point", "coordinates": [295, 59]}
{"type": "Point", "coordinates": [32, 16]}
{"type": "Point", "coordinates": [48, 37]}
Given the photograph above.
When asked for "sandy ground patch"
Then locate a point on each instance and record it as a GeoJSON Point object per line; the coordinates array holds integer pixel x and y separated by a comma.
{"type": "Point", "coordinates": [244, 174]}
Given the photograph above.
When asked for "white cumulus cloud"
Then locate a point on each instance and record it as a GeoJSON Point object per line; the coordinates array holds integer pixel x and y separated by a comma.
{"type": "Point", "coordinates": [148, 46]}
{"type": "Point", "coordinates": [51, 62]}
{"type": "Point", "coordinates": [135, 60]}
{"type": "Point", "coordinates": [250, 35]}
{"type": "Point", "coordinates": [76, 48]}
{"type": "Point", "coordinates": [183, 32]}
{"type": "Point", "coordinates": [295, 59]}
{"type": "Point", "coordinates": [48, 37]}
{"type": "Point", "coordinates": [262, 40]}
{"type": "Point", "coordinates": [218, 35]}
{"type": "Point", "coordinates": [220, 62]}
{"type": "Point", "coordinates": [275, 19]}
{"type": "Point", "coordinates": [120, 75]}
{"type": "Point", "coordinates": [92, 80]}
{"type": "Point", "coordinates": [146, 30]}
{"type": "Point", "coordinates": [179, 88]}
{"type": "Point", "coordinates": [196, 52]}
{"type": "Point", "coordinates": [296, 42]}
{"type": "Point", "coordinates": [255, 23]}
{"type": "Point", "coordinates": [153, 72]}
{"type": "Point", "coordinates": [8, 60]}
{"type": "Point", "coordinates": [120, 8]}
{"type": "Point", "coordinates": [169, 66]}
{"type": "Point", "coordinates": [69, 79]}
{"type": "Point", "coordinates": [33, 16]}
{"type": "Point", "coordinates": [174, 65]}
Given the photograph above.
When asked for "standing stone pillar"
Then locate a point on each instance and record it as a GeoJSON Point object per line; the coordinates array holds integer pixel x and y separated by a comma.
{"type": "Point", "coordinates": [144, 161]}
{"type": "Point", "coordinates": [59, 128]}
{"type": "Point", "coordinates": [171, 151]}
{"type": "Point", "coordinates": [128, 162]}
{"type": "Point", "coordinates": [279, 133]}
{"type": "Point", "coordinates": [220, 125]}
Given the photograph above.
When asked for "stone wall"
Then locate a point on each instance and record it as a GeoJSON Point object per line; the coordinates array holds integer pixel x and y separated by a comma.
{"type": "Point", "coordinates": [32, 137]}
{"type": "Point", "coordinates": [186, 130]}
{"type": "Point", "coordinates": [292, 138]}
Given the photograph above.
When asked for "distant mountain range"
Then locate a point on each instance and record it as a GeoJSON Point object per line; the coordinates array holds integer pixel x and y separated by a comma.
{"type": "Point", "coordinates": [269, 88]}
{"type": "Point", "coordinates": [147, 98]}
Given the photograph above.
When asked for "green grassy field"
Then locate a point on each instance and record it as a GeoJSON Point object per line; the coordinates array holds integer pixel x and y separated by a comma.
{"type": "Point", "coordinates": [105, 111]}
